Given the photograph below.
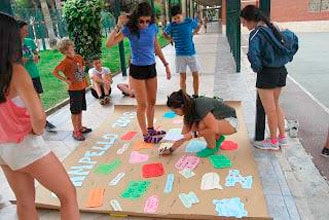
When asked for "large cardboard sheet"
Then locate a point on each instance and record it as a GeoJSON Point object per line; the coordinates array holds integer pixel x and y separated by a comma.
{"type": "Point", "coordinates": [101, 147]}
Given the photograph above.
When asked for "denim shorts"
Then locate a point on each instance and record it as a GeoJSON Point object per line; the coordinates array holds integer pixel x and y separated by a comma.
{"type": "Point", "coordinates": [20, 155]}
{"type": "Point", "coordinates": [183, 61]}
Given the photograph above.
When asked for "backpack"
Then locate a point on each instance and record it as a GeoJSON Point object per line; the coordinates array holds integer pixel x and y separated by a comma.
{"type": "Point", "coordinates": [290, 42]}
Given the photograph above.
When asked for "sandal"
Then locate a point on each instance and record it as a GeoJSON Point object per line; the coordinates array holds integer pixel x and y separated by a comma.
{"type": "Point", "coordinates": [78, 136]}
{"type": "Point", "coordinates": [85, 130]}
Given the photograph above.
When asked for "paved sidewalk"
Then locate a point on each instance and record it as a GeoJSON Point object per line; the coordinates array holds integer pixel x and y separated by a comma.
{"type": "Point", "coordinates": [292, 185]}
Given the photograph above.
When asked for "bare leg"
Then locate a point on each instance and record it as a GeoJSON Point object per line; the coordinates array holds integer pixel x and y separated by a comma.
{"type": "Point", "coordinates": [195, 83]}
{"type": "Point", "coordinates": [22, 183]}
{"type": "Point", "coordinates": [268, 100]}
{"type": "Point", "coordinates": [139, 87]}
{"type": "Point", "coordinates": [75, 122]}
{"type": "Point", "coordinates": [23, 186]}
{"type": "Point", "coordinates": [97, 88]}
{"type": "Point", "coordinates": [183, 81]}
{"type": "Point", "coordinates": [279, 112]}
{"type": "Point", "coordinates": [151, 88]}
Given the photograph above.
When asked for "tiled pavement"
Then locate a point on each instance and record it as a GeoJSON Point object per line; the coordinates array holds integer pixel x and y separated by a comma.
{"type": "Point", "coordinates": [289, 191]}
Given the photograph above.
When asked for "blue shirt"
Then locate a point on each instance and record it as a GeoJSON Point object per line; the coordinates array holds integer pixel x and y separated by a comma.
{"type": "Point", "coordinates": [142, 46]}
{"type": "Point", "coordinates": [182, 35]}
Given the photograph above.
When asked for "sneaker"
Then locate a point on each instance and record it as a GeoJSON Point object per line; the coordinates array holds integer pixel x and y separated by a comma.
{"type": "Point", "coordinates": [283, 142]}
{"type": "Point", "coordinates": [78, 136]}
{"type": "Point", "coordinates": [195, 96]}
{"type": "Point", "coordinates": [107, 100]}
{"type": "Point", "coordinates": [102, 101]}
{"type": "Point", "coordinates": [325, 152]}
{"type": "Point", "coordinates": [266, 145]}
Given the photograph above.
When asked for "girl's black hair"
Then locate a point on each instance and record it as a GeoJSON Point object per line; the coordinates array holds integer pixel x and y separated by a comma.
{"type": "Point", "coordinates": [142, 9]}
{"type": "Point", "coordinates": [253, 13]}
{"type": "Point", "coordinates": [10, 51]}
{"type": "Point", "coordinates": [21, 23]}
{"type": "Point", "coordinates": [180, 99]}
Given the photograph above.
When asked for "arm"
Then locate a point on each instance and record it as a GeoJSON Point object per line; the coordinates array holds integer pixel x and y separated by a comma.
{"type": "Point", "coordinates": [59, 76]}
{"type": "Point", "coordinates": [22, 83]}
{"type": "Point", "coordinates": [167, 37]}
{"type": "Point", "coordinates": [116, 34]}
{"type": "Point", "coordinates": [158, 52]}
{"type": "Point", "coordinates": [197, 29]}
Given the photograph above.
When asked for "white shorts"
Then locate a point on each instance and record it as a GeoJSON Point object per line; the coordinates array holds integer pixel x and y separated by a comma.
{"type": "Point", "coordinates": [234, 122]}
{"type": "Point", "coordinates": [29, 150]}
{"type": "Point", "coordinates": [191, 61]}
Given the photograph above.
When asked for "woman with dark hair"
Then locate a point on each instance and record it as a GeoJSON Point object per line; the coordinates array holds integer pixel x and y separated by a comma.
{"type": "Point", "coordinates": [264, 43]}
{"type": "Point", "coordinates": [24, 157]}
{"type": "Point", "coordinates": [140, 28]}
{"type": "Point", "coordinates": [203, 117]}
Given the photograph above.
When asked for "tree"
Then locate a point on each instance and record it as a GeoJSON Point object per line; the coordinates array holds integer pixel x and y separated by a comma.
{"type": "Point", "coordinates": [83, 18]}
{"type": "Point", "coordinates": [48, 22]}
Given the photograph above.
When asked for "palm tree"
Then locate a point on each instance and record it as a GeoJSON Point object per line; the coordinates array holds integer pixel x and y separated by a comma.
{"type": "Point", "coordinates": [48, 22]}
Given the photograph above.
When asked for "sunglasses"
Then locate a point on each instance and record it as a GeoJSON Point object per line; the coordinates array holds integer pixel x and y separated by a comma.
{"type": "Point", "coordinates": [142, 21]}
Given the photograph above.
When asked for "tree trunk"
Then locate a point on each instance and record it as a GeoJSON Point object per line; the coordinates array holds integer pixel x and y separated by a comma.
{"type": "Point", "coordinates": [58, 5]}
{"type": "Point", "coordinates": [48, 22]}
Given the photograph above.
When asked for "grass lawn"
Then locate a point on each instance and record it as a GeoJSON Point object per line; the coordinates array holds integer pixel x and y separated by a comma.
{"type": "Point", "coordinates": [55, 90]}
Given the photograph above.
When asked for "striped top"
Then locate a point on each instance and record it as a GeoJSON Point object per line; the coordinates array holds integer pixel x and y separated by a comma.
{"type": "Point", "coordinates": [182, 34]}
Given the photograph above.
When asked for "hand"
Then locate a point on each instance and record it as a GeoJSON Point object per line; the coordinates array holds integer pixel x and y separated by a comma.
{"type": "Point", "coordinates": [123, 19]}
{"type": "Point", "coordinates": [188, 136]}
{"type": "Point", "coordinates": [67, 81]}
{"type": "Point", "coordinates": [178, 143]}
{"type": "Point", "coordinates": [36, 58]}
{"type": "Point", "coordinates": [168, 72]}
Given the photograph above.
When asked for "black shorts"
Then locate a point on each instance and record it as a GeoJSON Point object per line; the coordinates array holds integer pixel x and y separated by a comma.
{"type": "Point", "coordinates": [77, 101]}
{"type": "Point", "coordinates": [272, 77]}
{"type": "Point", "coordinates": [37, 85]}
{"type": "Point", "coordinates": [142, 72]}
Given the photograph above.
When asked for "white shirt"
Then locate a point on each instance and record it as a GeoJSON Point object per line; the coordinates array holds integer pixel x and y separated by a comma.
{"type": "Point", "coordinates": [93, 72]}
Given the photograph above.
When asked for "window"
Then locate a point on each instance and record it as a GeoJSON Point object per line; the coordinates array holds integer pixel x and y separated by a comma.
{"type": "Point", "coordinates": [318, 5]}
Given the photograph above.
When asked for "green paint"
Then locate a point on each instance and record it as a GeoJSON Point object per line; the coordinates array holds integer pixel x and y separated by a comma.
{"type": "Point", "coordinates": [208, 151]}
{"type": "Point", "coordinates": [220, 161]}
{"type": "Point", "coordinates": [136, 189]}
{"type": "Point", "coordinates": [108, 168]}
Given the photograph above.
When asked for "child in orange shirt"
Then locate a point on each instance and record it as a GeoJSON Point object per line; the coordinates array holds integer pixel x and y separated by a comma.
{"type": "Point", "coordinates": [72, 68]}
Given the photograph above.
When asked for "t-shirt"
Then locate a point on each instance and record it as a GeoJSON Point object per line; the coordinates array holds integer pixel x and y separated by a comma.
{"type": "Point", "coordinates": [204, 105]}
{"type": "Point", "coordinates": [94, 72]}
{"type": "Point", "coordinates": [142, 46]}
{"type": "Point", "coordinates": [28, 48]}
{"type": "Point", "coordinates": [182, 34]}
{"type": "Point", "coordinates": [69, 66]}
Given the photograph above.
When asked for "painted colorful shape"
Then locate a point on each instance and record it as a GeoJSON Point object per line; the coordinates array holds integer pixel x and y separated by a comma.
{"type": "Point", "coordinates": [169, 114]}
{"type": "Point", "coordinates": [220, 161]}
{"type": "Point", "coordinates": [188, 199]}
{"type": "Point", "coordinates": [136, 157]}
{"type": "Point", "coordinates": [108, 168]}
{"type": "Point", "coordinates": [230, 207]}
{"type": "Point", "coordinates": [187, 173]}
{"type": "Point", "coordinates": [117, 179]}
{"type": "Point", "coordinates": [128, 136]}
{"type": "Point", "coordinates": [174, 134]}
{"type": "Point", "coordinates": [169, 183]}
{"type": "Point", "coordinates": [152, 170]}
{"type": "Point", "coordinates": [95, 198]}
{"type": "Point", "coordinates": [210, 181]}
{"type": "Point", "coordinates": [195, 146]}
{"type": "Point", "coordinates": [142, 145]}
{"type": "Point", "coordinates": [136, 190]}
{"type": "Point", "coordinates": [151, 204]}
{"type": "Point", "coordinates": [187, 162]}
{"type": "Point", "coordinates": [229, 145]}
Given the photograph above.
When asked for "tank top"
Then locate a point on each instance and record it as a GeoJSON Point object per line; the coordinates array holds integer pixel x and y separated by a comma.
{"type": "Point", "coordinates": [15, 121]}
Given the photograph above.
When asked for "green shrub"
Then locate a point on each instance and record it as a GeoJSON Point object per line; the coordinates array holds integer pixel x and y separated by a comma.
{"type": "Point", "coordinates": [83, 18]}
